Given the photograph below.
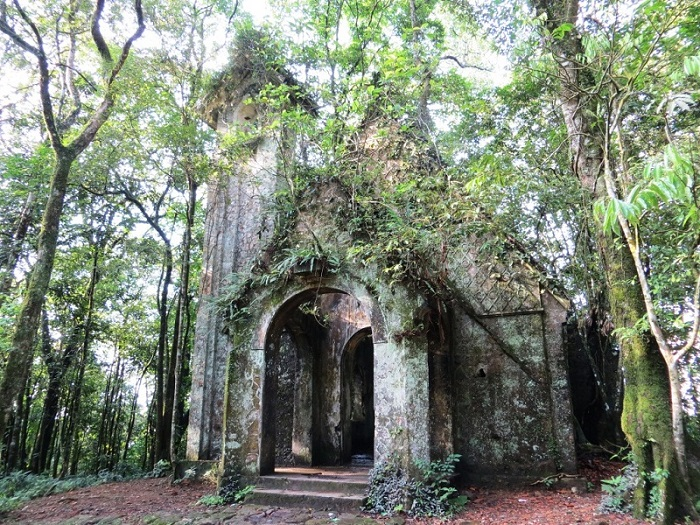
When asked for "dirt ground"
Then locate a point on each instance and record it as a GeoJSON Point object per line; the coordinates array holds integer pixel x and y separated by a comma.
{"type": "Point", "coordinates": [159, 502]}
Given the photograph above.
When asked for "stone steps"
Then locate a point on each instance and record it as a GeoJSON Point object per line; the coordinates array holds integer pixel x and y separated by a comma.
{"type": "Point", "coordinates": [332, 489]}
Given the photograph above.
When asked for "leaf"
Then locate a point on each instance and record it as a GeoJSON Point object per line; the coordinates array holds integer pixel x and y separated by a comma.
{"type": "Point", "coordinates": [691, 66]}
{"type": "Point", "coordinates": [560, 32]}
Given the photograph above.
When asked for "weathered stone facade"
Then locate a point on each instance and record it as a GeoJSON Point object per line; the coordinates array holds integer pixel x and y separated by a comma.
{"type": "Point", "coordinates": [330, 363]}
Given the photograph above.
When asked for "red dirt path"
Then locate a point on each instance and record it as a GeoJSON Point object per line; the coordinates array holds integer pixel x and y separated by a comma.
{"type": "Point", "coordinates": [132, 502]}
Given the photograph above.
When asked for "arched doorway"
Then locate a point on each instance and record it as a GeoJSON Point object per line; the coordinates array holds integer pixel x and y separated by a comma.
{"type": "Point", "coordinates": [303, 420]}
{"type": "Point", "coordinates": [357, 399]}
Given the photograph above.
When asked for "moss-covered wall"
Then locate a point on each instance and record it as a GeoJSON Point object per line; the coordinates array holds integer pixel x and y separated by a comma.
{"type": "Point", "coordinates": [503, 419]}
{"type": "Point", "coordinates": [475, 366]}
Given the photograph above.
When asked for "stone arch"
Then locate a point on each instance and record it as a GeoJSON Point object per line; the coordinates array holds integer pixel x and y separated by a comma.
{"type": "Point", "coordinates": [400, 374]}
{"type": "Point", "coordinates": [301, 419]}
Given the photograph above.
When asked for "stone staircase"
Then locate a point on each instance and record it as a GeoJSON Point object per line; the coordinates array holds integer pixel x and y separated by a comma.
{"type": "Point", "coordinates": [337, 489]}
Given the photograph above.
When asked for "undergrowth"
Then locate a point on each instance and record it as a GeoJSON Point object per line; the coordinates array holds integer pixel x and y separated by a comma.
{"type": "Point", "coordinates": [19, 487]}
{"type": "Point", "coordinates": [618, 490]}
{"type": "Point", "coordinates": [428, 492]}
{"type": "Point", "coordinates": [231, 492]}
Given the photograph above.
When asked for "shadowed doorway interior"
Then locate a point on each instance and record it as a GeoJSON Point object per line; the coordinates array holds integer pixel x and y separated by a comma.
{"type": "Point", "coordinates": [357, 412]}
{"type": "Point", "coordinates": [318, 391]}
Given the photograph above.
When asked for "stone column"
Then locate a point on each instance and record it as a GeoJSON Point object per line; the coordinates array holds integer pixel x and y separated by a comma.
{"type": "Point", "coordinates": [242, 416]}
{"type": "Point", "coordinates": [237, 228]}
{"type": "Point", "coordinates": [560, 389]}
{"type": "Point", "coordinates": [401, 380]}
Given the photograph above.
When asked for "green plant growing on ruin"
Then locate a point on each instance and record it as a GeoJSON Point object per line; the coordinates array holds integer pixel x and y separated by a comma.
{"type": "Point", "coordinates": [230, 493]}
{"type": "Point", "coordinates": [426, 491]}
{"type": "Point", "coordinates": [211, 500]}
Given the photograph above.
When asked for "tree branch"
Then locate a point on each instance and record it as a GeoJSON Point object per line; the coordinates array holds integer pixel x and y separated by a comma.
{"type": "Point", "coordinates": [464, 66]}
{"type": "Point", "coordinates": [127, 45]}
{"type": "Point", "coordinates": [102, 113]}
{"type": "Point", "coordinates": [97, 37]}
{"type": "Point", "coordinates": [21, 42]}
{"type": "Point", "coordinates": [693, 335]}
{"type": "Point", "coordinates": [44, 76]}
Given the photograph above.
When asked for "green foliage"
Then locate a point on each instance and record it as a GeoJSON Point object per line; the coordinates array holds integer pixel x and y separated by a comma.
{"type": "Point", "coordinates": [211, 500]}
{"type": "Point", "coordinates": [302, 258]}
{"type": "Point", "coordinates": [618, 491]}
{"type": "Point", "coordinates": [655, 504]}
{"type": "Point", "coordinates": [230, 493]}
{"type": "Point", "coordinates": [427, 492]}
{"type": "Point", "coordinates": [18, 487]}
{"type": "Point", "coordinates": [233, 492]}
{"type": "Point", "coordinates": [670, 182]}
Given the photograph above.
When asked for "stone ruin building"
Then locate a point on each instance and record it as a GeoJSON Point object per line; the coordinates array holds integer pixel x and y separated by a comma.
{"type": "Point", "coordinates": [329, 366]}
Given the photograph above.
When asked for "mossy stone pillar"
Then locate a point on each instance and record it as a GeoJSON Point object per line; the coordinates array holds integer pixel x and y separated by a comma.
{"type": "Point", "coordinates": [401, 402]}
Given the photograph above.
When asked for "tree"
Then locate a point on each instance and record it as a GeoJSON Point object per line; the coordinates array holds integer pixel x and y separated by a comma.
{"type": "Point", "coordinates": [21, 27]}
{"type": "Point", "coordinates": [600, 68]}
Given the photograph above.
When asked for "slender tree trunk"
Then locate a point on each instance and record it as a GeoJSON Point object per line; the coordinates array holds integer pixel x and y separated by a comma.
{"type": "Point", "coordinates": [104, 418]}
{"type": "Point", "coordinates": [46, 425]}
{"type": "Point", "coordinates": [24, 428]}
{"type": "Point", "coordinates": [163, 404]}
{"type": "Point", "coordinates": [132, 417]}
{"type": "Point", "coordinates": [55, 454]}
{"type": "Point", "coordinates": [130, 426]}
{"type": "Point", "coordinates": [646, 417]}
{"type": "Point", "coordinates": [112, 428]}
{"type": "Point", "coordinates": [115, 442]}
{"type": "Point", "coordinates": [676, 492]}
{"type": "Point", "coordinates": [181, 339]}
{"type": "Point", "coordinates": [17, 430]}
{"type": "Point", "coordinates": [163, 401]}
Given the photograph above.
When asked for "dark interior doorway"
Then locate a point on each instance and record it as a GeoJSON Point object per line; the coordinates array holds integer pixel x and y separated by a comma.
{"type": "Point", "coordinates": [358, 399]}
{"type": "Point", "coordinates": [318, 397]}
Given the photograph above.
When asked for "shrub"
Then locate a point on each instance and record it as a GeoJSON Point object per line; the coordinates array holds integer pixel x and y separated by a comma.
{"type": "Point", "coordinates": [211, 500]}
{"type": "Point", "coordinates": [617, 491]}
{"type": "Point", "coordinates": [429, 492]}
{"type": "Point", "coordinates": [231, 492]}
{"type": "Point", "coordinates": [160, 469]}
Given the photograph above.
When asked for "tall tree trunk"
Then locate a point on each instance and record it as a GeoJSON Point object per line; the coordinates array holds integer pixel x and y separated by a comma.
{"type": "Point", "coordinates": [646, 416]}
{"type": "Point", "coordinates": [181, 338]}
{"type": "Point", "coordinates": [20, 357]}
{"type": "Point", "coordinates": [10, 254]}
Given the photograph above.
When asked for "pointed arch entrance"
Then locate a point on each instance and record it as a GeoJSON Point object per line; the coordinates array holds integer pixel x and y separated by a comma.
{"type": "Point", "coordinates": [287, 374]}
{"type": "Point", "coordinates": [317, 398]}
